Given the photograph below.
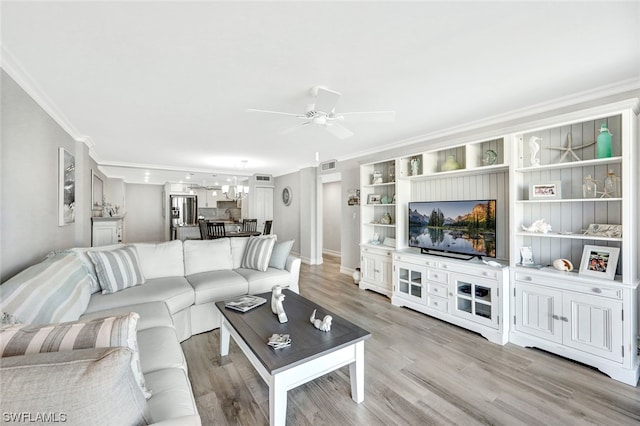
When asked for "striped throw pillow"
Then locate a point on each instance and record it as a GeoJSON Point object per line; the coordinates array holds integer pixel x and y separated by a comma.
{"type": "Point", "coordinates": [257, 253]}
{"type": "Point", "coordinates": [117, 269]}
{"type": "Point", "coordinates": [54, 290]}
{"type": "Point", "coordinates": [22, 339]}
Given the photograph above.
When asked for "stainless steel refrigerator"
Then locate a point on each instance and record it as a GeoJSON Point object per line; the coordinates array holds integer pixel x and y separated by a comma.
{"type": "Point", "coordinates": [184, 211]}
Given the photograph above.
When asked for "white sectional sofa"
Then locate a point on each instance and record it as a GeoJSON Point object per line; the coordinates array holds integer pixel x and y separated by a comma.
{"type": "Point", "coordinates": [182, 281]}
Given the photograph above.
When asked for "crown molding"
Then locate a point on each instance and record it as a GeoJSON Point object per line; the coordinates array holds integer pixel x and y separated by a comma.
{"type": "Point", "coordinates": [16, 71]}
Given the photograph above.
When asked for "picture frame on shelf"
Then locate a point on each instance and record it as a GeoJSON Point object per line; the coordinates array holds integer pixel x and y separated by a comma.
{"type": "Point", "coordinates": [546, 191]}
{"type": "Point", "coordinates": [374, 199]}
{"type": "Point", "coordinates": [604, 230]}
{"type": "Point", "coordinates": [600, 262]}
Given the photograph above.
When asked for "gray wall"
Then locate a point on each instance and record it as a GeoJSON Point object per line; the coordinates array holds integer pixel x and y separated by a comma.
{"type": "Point", "coordinates": [29, 186]}
{"type": "Point", "coordinates": [331, 217]}
{"type": "Point", "coordinates": [350, 231]}
{"type": "Point", "coordinates": [143, 221]}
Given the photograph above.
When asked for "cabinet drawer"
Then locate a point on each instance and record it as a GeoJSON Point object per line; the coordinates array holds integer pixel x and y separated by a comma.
{"type": "Point", "coordinates": [377, 251]}
{"type": "Point", "coordinates": [437, 289]}
{"type": "Point", "coordinates": [581, 287]}
{"type": "Point", "coordinates": [438, 303]}
{"type": "Point", "coordinates": [438, 276]}
{"type": "Point", "coordinates": [416, 260]}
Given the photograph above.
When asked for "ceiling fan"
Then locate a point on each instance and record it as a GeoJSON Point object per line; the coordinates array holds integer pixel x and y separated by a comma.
{"type": "Point", "coordinates": [322, 113]}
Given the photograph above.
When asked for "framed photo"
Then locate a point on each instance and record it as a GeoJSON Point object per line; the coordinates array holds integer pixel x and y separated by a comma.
{"type": "Point", "coordinates": [373, 199]}
{"type": "Point", "coordinates": [97, 191]}
{"type": "Point", "coordinates": [354, 197]}
{"type": "Point", "coordinates": [599, 262]}
{"type": "Point", "coordinates": [66, 187]}
{"type": "Point", "coordinates": [547, 190]}
{"type": "Point", "coordinates": [604, 230]}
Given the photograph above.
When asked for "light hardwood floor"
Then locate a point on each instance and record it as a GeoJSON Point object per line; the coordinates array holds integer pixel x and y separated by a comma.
{"type": "Point", "coordinates": [419, 371]}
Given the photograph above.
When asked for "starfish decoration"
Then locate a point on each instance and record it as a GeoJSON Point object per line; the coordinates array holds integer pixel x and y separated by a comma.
{"type": "Point", "coordinates": [568, 149]}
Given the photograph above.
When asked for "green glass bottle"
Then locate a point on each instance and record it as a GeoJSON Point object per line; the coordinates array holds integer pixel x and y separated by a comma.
{"type": "Point", "coordinates": [603, 143]}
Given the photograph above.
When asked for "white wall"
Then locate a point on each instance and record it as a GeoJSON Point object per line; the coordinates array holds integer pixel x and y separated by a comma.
{"type": "Point", "coordinates": [29, 186]}
{"type": "Point", "coordinates": [143, 221]}
{"type": "Point", "coordinates": [331, 217]}
{"type": "Point", "coordinates": [286, 219]}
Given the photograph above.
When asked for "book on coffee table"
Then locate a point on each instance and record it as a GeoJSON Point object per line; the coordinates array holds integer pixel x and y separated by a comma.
{"type": "Point", "coordinates": [244, 303]}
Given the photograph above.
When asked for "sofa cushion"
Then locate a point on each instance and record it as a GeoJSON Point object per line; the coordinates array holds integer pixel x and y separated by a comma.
{"type": "Point", "coordinates": [258, 253]}
{"type": "Point", "coordinates": [172, 395]}
{"type": "Point", "coordinates": [161, 260]}
{"type": "Point", "coordinates": [174, 291]}
{"type": "Point", "coordinates": [207, 255]}
{"type": "Point", "coordinates": [280, 254]}
{"type": "Point", "coordinates": [81, 252]}
{"type": "Point", "coordinates": [217, 285]}
{"type": "Point", "coordinates": [159, 349]}
{"type": "Point", "coordinates": [74, 387]}
{"type": "Point", "coordinates": [152, 314]}
{"type": "Point", "coordinates": [55, 290]}
{"type": "Point", "coordinates": [117, 269]}
{"type": "Point", "coordinates": [259, 281]}
{"type": "Point", "coordinates": [238, 246]}
{"type": "Point", "coordinates": [22, 339]}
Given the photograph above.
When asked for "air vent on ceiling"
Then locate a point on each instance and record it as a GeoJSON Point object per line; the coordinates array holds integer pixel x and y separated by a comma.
{"type": "Point", "coordinates": [262, 180]}
{"type": "Point", "coordinates": [328, 165]}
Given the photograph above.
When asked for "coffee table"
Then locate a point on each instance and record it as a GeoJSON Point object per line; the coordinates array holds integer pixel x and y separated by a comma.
{"type": "Point", "coordinates": [313, 353]}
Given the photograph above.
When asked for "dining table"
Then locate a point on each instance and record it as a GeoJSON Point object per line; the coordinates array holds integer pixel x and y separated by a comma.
{"type": "Point", "coordinates": [242, 234]}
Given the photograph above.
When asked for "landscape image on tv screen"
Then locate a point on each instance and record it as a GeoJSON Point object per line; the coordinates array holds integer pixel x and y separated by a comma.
{"type": "Point", "coordinates": [463, 227]}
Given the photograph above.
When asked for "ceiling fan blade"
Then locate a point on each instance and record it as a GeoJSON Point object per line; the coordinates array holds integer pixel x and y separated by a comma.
{"type": "Point", "coordinates": [339, 131]}
{"type": "Point", "coordinates": [293, 129]}
{"type": "Point", "coordinates": [275, 112]}
{"type": "Point", "coordinates": [369, 116]}
{"type": "Point", "coordinates": [326, 99]}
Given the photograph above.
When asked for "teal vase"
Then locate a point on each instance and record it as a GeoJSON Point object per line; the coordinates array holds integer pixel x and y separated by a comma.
{"type": "Point", "coordinates": [603, 143]}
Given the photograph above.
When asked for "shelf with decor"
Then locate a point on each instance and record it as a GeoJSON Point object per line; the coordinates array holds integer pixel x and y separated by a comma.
{"type": "Point", "coordinates": [574, 238]}
{"type": "Point", "coordinates": [486, 156]}
{"type": "Point", "coordinates": [378, 224]}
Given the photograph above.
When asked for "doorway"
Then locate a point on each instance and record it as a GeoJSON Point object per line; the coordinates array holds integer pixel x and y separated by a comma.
{"type": "Point", "coordinates": [332, 218]}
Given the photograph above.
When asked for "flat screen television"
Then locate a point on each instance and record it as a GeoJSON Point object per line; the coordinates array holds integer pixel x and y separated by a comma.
{"type": "Point", "coordinates": [458, 228]}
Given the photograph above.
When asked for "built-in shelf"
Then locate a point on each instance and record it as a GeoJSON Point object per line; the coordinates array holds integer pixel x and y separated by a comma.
{"type": "Point", "coordinates": [460, 172]}
{"type": "Point", "coordinates": [569, 200]}
{"type": "Point", "coordinates": [374, 185]}
{"type": "Point", "coordinates": [595, 162]}
{"type": "Point", "coordinates": [567, 236]}
{"type": "Point", "coordinates": [380, 224]}
{"type": "Point", "coordinates": [379, 205]}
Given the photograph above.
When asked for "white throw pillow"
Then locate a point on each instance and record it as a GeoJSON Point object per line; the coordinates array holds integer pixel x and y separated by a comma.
{"type": "Point", "coordinates": [258, 253]}
{"type": "Point", "coordinates": [207, 255]}
{"type": "Point", "coordinates": [161, 260]}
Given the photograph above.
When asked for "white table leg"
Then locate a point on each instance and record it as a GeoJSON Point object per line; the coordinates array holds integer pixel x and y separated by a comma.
{"type": "Point", "coordinates": [224, 338]}
{"type": "Point", "coordinates": [356, 373]}
{"type": "Point", "coordinates": [277, 402]}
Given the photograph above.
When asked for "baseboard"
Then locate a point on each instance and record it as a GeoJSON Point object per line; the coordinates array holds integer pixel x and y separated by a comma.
{"type": "Point", "coordinates": [332, 252]}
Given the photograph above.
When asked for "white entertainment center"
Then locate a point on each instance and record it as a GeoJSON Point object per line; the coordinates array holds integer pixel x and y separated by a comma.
{"type": "Point", "coordinates": [534, 172]}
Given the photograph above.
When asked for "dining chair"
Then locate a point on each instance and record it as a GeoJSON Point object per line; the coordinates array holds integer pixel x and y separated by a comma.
{"type": "Point", "coordinates": [250, 225]}
{"type": "Point", "coordinates": [267, 227]}
{"type": "Point", "coordinates": [204, 231]}
{"type": "Point", "coordinates": [216, 230]}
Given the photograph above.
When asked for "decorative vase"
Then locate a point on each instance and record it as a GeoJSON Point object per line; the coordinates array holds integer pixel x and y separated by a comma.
{"type": "Point", "coordinates": [415, 166]}
{"type": "Point", "coordinates": [450, 164]}
{"type": "Point", "coordinates": [356, 276]}
{"type": "Point", "coordinates": [603, 142]}
{"type": "Point", "coordinates": [612, 187]}
{"type": "Point", "coordinates": [489, 158]}
{"type": "Point", "coordinates": [589, 187]}
{"type": "Point", "coordinates": [385, 219]}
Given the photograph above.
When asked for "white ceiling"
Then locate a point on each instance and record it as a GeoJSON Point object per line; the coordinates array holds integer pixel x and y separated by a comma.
{"type": "Point", "coordinates": [166, 85]}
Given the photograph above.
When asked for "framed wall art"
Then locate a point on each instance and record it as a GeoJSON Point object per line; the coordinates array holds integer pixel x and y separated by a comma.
{"type": "Point", "coordinates": [599, 261]}
{"type": "Point", "coordinates": [97, 191]}
{"type": "Point", "coordinates": [66, 187]}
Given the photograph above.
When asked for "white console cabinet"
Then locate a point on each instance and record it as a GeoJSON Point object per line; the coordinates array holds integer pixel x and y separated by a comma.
{"type": "Point", "coordinates": [469, 294]}
{"type": "Point", "coordinates": [375, 265]}
{"type": "Point", "coordinates": [106, 231]}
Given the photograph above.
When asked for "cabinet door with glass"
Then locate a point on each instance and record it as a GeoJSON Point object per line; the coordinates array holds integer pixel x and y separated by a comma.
{"type": "Point", "coordinates": [410, 282]}
{"type": "Point", "coordinates": [475, 299]}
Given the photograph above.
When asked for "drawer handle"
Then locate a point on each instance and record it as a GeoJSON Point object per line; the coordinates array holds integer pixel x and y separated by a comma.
{"type": "Point", "coordinates": [555, 317]}
{"type": "Point", "coordinates": [596, 290]}
{"type": "Point", "coordinates": [444, 266]}
{"type": "Point", "coordinates": [435, 275]}
{"type": "Point", "coordinates": [565, 319]}
{"type": "Point", "coordinates": [435, 303]}
{"type": "Point", "coordinates": [485, 273]}
{"type": "Point", "coordinates": [528, 278]}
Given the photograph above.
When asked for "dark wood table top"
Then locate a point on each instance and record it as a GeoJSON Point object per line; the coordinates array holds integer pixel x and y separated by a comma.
{"type": "Point", "coordinates": [242, 234]}
{"type": "Point", "coordinates": [307, 342]}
